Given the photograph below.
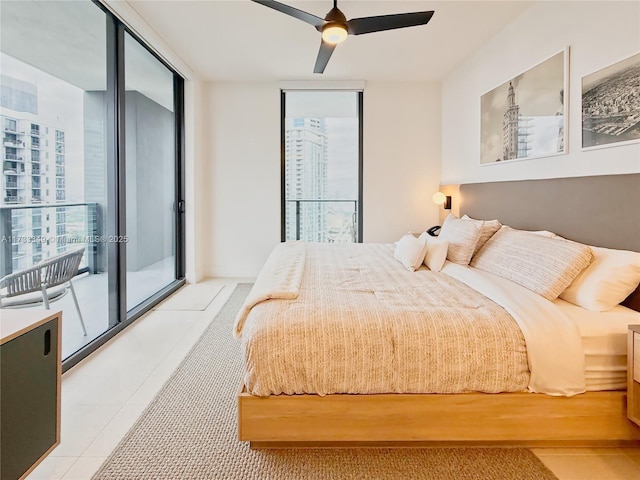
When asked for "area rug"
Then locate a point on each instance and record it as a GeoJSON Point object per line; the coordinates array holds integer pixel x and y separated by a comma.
{"type": "Point", "coordinates": [189, 432]}
{"type": "Point", "coordinates": [193, 297]}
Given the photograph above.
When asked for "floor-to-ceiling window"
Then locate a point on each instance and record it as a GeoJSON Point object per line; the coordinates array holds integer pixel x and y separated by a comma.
{"type": "Point", "coordinates": [322, 166]}
{"type": "Point", "coordinates": [91, 157]}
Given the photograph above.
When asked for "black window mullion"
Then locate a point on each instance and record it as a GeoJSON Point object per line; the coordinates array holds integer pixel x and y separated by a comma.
{"type": "Point", "coordinates": [283, 164]}
{"type": "Point", "coordinates": [116, 222]}
{"type": "Point", "coordinates": [360, 163]}
{"type": "Point", "coordinates": [178, 99]}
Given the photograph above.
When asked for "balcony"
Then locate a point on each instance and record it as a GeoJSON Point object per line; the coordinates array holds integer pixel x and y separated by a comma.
{"type": "Point", "coordinates": [333, 221]}
{"type": "Point", "coordinates": [92, 292]}
{"type": "Point", "coordinates": [13, 173]}
{"type": "Point", "coordinates": [13, 143]}
{"type": "Point", "coordinates": [13, 130]}
{"type": "Point", "coordinates": [35, 132]}
{"type": "Point", "coordinates": [13, 157]}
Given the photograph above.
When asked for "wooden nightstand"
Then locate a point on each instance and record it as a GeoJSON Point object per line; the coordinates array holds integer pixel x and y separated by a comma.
{"type": "Point", "coordinates": [633, 374]}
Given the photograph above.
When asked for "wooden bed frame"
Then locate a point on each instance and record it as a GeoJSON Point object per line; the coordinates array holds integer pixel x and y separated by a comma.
{"type": "Point", "coordinates": [514, 419]}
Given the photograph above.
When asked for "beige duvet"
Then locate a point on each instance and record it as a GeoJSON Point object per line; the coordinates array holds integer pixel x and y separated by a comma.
{"type": "Point", "coordinates": [356, 321]}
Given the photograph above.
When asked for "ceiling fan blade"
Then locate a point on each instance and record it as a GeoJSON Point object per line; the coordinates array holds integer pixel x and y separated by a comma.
{"type": "Point", "coordinates": [324, 54]}
{"type": "Point", "coordinates": [294, 12]}
{"type": "Point", "coordinates": [358, 26]}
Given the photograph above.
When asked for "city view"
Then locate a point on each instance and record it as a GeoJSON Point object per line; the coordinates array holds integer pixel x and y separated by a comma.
{"type": "Point", "coordinates": [41, 140]}
{"type": "Point", "coordinates": [611, 107]}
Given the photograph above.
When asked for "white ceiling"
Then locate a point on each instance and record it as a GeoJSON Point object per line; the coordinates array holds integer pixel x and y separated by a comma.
{"type": "Point", "coordinates": [242, 40]}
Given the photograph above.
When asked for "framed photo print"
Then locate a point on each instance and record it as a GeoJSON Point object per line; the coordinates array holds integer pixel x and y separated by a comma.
{"type": "Point", "coordinates": [525, 117]}
{"type": "Point", "coordinates": [611, 105]}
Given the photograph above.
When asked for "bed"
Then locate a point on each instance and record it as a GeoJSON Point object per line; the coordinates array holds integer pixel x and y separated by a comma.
{"type": "Point", "coordinates": [323, 382]}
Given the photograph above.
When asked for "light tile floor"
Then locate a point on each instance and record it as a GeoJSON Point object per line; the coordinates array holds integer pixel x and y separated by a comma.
{"type": "Point", "coordinates": [103, 396]}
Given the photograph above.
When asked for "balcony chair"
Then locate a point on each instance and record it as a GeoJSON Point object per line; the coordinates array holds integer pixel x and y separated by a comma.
{"type": "Point", "coordinates": [43, 283]}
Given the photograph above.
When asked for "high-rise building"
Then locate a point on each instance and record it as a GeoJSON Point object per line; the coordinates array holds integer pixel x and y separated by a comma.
{"type": "Point", "coordinates": [33, 173]}
{"type": "Point", "coordinates": [515, 129]}
{"type": "Point", "coordinates": [510, 127]}
{"type": "Point", "coordinates": [306, 178]}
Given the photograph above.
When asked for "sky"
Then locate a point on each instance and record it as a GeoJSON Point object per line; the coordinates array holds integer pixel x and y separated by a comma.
{"type": "Point", "coordinates": [595, 78]}
{"type": "Point", "coordinates": [342, 176]}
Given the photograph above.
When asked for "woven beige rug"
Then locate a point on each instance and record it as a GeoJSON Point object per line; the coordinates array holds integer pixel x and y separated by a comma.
{"type": "Point", "coordinates": [189, 432]}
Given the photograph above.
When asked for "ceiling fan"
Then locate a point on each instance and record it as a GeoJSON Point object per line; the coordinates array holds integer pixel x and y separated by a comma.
{"type": "Point", "coordinates": [335, 27]}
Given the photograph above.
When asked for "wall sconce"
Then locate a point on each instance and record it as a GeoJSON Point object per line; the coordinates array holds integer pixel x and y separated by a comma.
{"type": "Point", "coordinates": [440, 198]}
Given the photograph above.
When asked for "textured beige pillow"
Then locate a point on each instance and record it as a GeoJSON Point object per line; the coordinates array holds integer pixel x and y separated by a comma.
{"type": "Point", "coordinates": [462, 237]}
{"type": "Point", "coordinates": [544, 265]}
{"type": "Point", "coordinates": [487, 229]}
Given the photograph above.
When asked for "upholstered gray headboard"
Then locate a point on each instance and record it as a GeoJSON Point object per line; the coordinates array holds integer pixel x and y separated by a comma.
{"type": "Point", "coordinates": [598, 210]}
{"type": "Point", "coordinates": [601, 210]}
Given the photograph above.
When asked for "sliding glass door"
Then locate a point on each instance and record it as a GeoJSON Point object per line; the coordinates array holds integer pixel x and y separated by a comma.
{"type": "Point", "coordinates": [91, 159]}
{"type": "Point", "coordinates": [150, 173]}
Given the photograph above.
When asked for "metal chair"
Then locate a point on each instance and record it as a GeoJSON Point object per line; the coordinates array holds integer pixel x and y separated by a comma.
{"type": "Point", "coordinates": [18, 290]}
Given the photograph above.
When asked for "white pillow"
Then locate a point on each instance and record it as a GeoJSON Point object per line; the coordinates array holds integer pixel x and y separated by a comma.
{"type": "Point", "coordinates": [487, 229]}
{"type": "Point", "coordinates": [612, 276]}
{"type": "Point", "coordinates": [436, 253]}
{"type": "Point", "coordinates": [462, 236]}
{"type": "Point", "coordinates": [410, 251]}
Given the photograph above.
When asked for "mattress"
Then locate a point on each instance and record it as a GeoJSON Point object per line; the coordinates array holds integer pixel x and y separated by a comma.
{"type": "Point", "coordinates": [604, 340]}
{"type": "Point", "coordinates": [328, 318]}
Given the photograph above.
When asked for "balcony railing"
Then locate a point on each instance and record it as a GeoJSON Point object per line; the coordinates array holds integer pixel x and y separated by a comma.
{"type": "Point", "coordinates": [13, 130]}
{"type": "Point", "coordinates": [334, 221]}
{"type": "Point", "coordinates": [13, 173]}
{"type": "Point", "coordinates": [81, 228]}
{"type": "Point", "coordinates": [10, 142]}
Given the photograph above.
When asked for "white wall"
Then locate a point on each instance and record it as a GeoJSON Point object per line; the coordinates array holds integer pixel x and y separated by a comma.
{"type": "Point", "coordinates": [243, 177]}
{"type": "Point", "coordinates": [598, 33]}
{"type": "Point", "coordinates": [196, 190]}
{"type": "Point", "coordinates": [401, 158]}
{"type": "Point", "coordinates": [401, 168]}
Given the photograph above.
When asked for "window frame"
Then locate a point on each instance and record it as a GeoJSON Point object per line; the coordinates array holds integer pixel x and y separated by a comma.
{"type": "Point", "coordinates": [283, 162]}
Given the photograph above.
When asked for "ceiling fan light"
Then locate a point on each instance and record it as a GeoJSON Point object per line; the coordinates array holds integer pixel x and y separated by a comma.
{"type": "Point", "coordinates": [334, 34]}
